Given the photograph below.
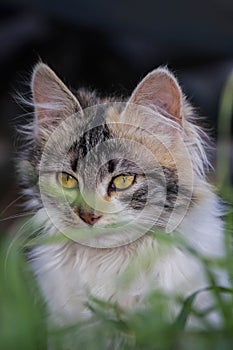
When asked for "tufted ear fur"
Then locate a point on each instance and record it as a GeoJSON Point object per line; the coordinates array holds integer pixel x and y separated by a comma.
{"type": "Point", "coordinates": [51, 98]}
{"type": "Point", "coordinates": [161, 91]}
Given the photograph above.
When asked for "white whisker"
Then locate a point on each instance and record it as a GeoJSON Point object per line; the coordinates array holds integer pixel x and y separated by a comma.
{"type": "Point", "coordinates": [11, 203]}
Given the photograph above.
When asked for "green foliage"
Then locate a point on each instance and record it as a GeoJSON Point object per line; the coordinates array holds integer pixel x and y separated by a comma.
{"type": "Point", "coordinates": [23, 323]}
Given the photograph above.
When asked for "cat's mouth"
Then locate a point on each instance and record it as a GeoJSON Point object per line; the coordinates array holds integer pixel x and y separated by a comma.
{"type": "Point", "coordinates": [107, 235]}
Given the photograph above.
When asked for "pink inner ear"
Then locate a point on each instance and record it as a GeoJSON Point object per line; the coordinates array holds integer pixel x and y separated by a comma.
{"type": "Point", "coordinates": [40, 96]}
{"type": "Point", "coordinates": [45, 107]}
{"type": "Point", "coordinates": [161, 90]}
{"type": "Point", "coordinates": [46, 93]}
{"type": "Point", "coordinates": [169, 104]}
{"type": "Point", "coordinates": [51, 96]}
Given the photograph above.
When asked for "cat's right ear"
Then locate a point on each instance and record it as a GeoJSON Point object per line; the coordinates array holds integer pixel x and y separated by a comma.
{"type": "Point", "coordinates": [52, 99]}
{"type": "Point", "coordinates": [160, 91]}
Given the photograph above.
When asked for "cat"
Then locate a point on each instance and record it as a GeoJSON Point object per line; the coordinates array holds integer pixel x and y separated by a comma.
{"type": "Point", "coordinates": [107, 174]}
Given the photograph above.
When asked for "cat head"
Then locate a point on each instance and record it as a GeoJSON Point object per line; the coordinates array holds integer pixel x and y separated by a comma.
{"type": "Point", "coordinates": [117, 168]}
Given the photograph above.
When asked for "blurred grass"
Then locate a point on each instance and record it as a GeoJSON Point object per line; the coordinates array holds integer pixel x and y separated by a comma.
{"type": "Point", "coordinates": [225, 143]}
{"type": "Point", "coordinates": [23, 313]}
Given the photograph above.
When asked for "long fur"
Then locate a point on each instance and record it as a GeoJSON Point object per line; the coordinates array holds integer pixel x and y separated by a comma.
{"type": "Point", "coordinates": [69, 272]}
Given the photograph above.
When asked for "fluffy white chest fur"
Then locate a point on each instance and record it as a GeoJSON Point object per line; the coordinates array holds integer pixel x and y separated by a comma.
{"type": "Point", "coordinates": [69, 274]}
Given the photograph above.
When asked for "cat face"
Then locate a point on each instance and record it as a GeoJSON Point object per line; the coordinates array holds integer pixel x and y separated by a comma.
{"type": "Point", "coordinates": [116, 168]}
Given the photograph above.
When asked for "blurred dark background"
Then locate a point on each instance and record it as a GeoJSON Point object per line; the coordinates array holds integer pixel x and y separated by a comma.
{"type": "Point", "coordinates": [110, 46]}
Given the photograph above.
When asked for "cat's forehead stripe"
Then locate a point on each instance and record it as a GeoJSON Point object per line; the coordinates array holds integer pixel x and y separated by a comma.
{"type": "Point", "coordinates": [90, 139]}
{"type": "Point", "coordinates": [112, 165]}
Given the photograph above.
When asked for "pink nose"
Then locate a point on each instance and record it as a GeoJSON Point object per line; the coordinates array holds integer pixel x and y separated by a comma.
{"type": "Point", "coordinates": [89, 218]}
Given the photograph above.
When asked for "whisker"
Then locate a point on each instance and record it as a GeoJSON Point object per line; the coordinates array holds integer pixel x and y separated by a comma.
{"type": "Point", "coordinates": [11, 203]}
{"type": "Point", "coordinates": [19, 233]}
{"type": "Point", "coordinates": [16, 216]}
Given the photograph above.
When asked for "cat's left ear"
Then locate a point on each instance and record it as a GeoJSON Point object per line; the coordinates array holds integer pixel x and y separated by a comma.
{"type": "Point", "coordinates": [51, 97]}
{"type": "Point", "coordinates": [161, 91]}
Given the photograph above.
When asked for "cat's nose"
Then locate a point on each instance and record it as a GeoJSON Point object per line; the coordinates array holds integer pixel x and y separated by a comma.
{"type": "Point", "coordinates": [89, 218]}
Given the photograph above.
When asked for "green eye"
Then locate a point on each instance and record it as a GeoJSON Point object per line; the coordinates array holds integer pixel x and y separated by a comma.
{"type": "Point", "coordinates": [122, 182]}
{"type": "Point", "coordinates": [67, 181]}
